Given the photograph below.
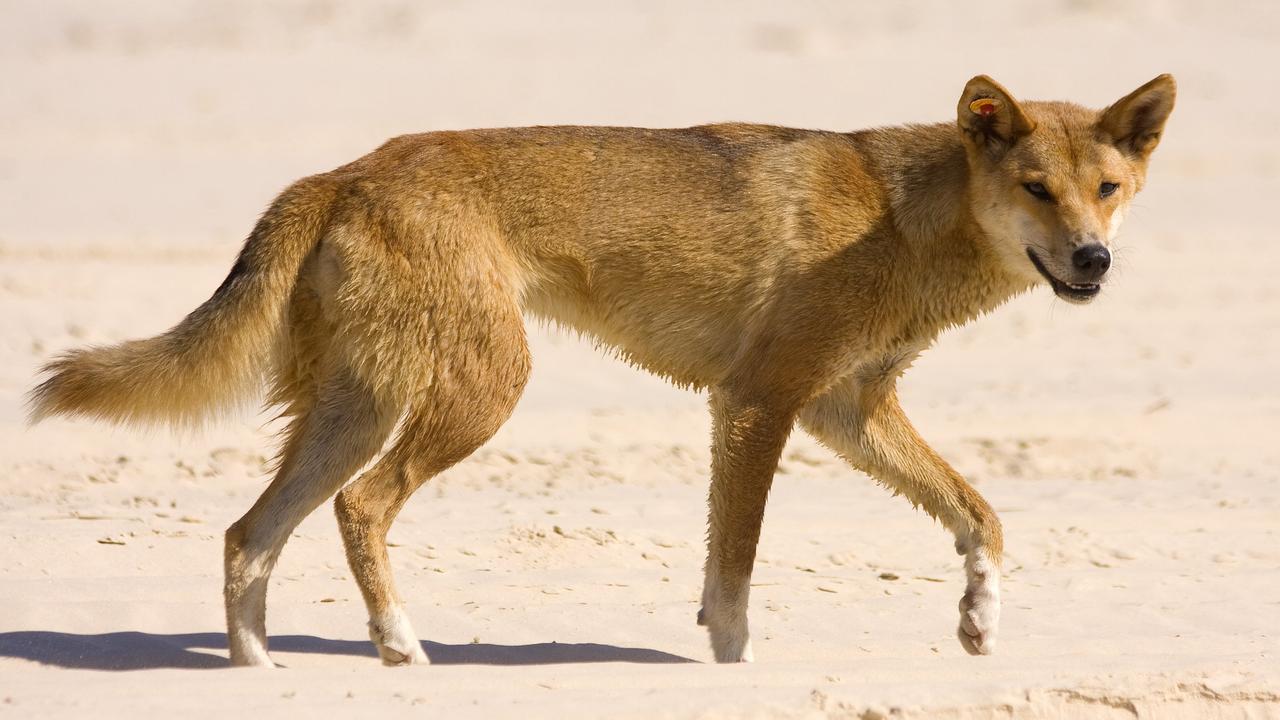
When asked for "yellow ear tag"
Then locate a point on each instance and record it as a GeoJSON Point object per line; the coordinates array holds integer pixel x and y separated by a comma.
{"type": "Point", "coordinates": [984, 106]}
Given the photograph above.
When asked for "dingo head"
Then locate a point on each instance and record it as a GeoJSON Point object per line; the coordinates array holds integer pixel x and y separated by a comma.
{"type": "Point", "coordinates": [1050, 181]}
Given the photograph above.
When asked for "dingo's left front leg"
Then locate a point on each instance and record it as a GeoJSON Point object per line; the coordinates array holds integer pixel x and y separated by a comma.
{"type": "Point", "coordinates": [863, 422]}
{"type": "Point", "coordinates": [748, 439]}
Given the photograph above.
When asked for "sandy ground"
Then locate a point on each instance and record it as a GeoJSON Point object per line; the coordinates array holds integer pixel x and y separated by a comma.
{"type": "Point", "coordinates": [1130, 446]}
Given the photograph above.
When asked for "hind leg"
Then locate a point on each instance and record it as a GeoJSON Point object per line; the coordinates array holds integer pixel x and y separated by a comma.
{"type": "Point", "coordinates": [365, 511]}
{"type": "Point", "coordinates": [344, 427]}
{"type": "Point", "coordinates": [476, 387]}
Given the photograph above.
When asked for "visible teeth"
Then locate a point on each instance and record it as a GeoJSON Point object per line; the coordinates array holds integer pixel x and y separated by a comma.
{"type": "Point", "coordinates": [1079, 287]}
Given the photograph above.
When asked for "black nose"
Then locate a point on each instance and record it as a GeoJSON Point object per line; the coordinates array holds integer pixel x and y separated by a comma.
{"type": "Point", "coordinates": [1092, 261]}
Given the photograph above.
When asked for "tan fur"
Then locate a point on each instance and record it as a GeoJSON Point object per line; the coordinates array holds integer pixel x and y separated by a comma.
{"type": "Point", "coordinates": [794, 274]}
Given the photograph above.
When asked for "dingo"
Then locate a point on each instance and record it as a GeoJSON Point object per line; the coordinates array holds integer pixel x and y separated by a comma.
{"type": "Point", "coordinates": [793, 274]}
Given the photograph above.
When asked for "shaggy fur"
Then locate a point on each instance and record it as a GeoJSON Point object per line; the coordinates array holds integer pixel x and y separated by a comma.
{"type": "Point", "coordinates": [793, 274]}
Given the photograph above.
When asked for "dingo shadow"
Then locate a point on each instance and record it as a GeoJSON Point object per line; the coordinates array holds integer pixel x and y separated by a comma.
{"type": "Point", "coordinates": [133, 650]}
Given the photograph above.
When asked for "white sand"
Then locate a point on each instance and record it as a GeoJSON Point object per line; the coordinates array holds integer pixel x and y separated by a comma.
{"type": "Point", "coordinates": [1130, 446]}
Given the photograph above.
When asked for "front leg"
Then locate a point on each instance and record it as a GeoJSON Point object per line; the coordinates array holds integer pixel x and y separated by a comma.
{"type": "Point", "coordinates": [861, 420]}
{"type": "Point", "coordinates": [748, 439]}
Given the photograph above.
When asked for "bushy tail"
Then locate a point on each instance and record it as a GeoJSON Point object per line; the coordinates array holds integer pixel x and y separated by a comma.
{"type": "Point", "coordinates": [217, 355]}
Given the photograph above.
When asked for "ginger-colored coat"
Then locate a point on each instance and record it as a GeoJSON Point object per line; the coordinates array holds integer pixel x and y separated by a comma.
{"type": "Point", "coordinates": [793, 274]}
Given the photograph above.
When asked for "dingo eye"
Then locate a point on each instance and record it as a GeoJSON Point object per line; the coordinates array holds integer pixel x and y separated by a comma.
{"type": "Point", "coordinates": [1106, 189]}
{"type": "Point", "coordinates": [1038, 191]}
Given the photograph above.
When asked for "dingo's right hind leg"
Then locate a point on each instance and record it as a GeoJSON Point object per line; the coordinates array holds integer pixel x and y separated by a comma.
{"type": "Point", "coordinates": [476, 380]}
{"type": "Point", "coordinates": [329, 439]}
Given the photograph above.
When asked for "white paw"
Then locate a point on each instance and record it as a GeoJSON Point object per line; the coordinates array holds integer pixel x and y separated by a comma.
{"type": "Point", "coordinates": [730, 640]}
{"type": "Point", "coordinates": [395, 640]}
{"type": "Point", "coordinates": [979, 622]}
{"type": "Point", "coordinates": [724, 614]}
{"type": "Point", "coordinates": [731, 647]}
{"type": "Point", "coordinates": [251, 657]}
{"type": "Point", "coordinates": [980, 605]}
{"type": "Point", "coordinates": [248, 648]}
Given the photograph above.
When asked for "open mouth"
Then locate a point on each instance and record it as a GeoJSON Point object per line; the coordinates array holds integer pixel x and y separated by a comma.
{"type": "Point", "coordinates": [1071, 292]}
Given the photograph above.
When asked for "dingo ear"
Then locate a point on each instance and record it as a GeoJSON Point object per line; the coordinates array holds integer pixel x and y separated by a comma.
{"type": "Point", "coordinates": [989, 117]}
{"type": "Point", "coordinates": [1134, 122]}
